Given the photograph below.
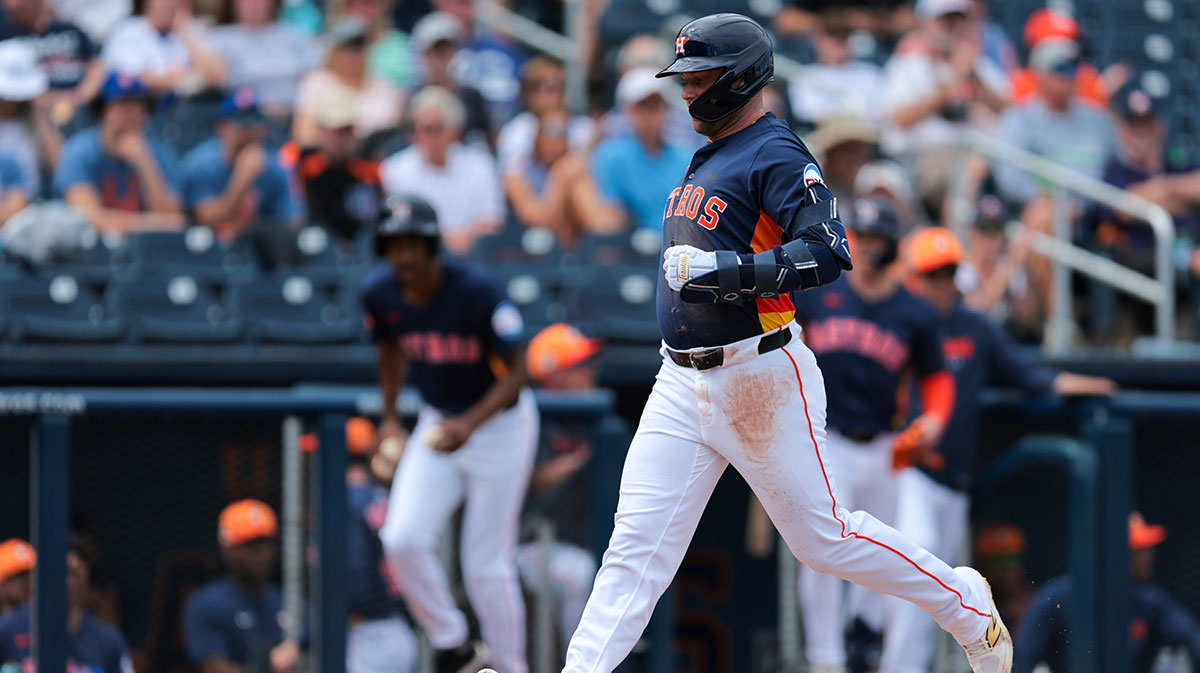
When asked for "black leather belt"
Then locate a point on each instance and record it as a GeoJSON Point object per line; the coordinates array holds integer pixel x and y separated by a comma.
{"type": "Point", "coordinates": [715, 357]}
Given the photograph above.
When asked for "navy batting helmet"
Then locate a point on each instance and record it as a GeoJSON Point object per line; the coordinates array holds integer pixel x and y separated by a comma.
{"type": "Point", "coordinates": [406, 216]}
{"type": "Point", "coordinates": [730, 41]}
{"type": "Point", "coordinates": [875, 216]}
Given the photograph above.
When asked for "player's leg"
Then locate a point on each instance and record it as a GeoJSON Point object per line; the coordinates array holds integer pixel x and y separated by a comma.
{"type": "Point", "coordinates": [572, 570]}
{"type": "Point", "coordinates": [822, 596]}
{"type": "Point", "coordinates": [791, 479]}
{"type": "Point", "coordinates": [381, 646]}
{"type": "Point", "coordinates": [426, 490]}
{"type": "Point", "coordinates": [934, 517]}
{"type": "Point", "coordinates": [876, 494]}
{"type": "Point", "coordinates": [668, 478]}
{"type": "Point", "coordinates": [497, 461]}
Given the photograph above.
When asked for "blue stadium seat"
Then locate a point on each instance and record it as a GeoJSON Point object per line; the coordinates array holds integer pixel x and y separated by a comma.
{"type": "Point", "coordinates": [94, 263]}
{"type": "Point", "coordinates": [615, 303]}
{"type": "Point", "coordinates": [177, 309]}
{"type": "Point", "coordinates": [195, 253]}
{"type": "Point", "coordinates": [12, 268]}
{"type": "Point", "coordinates": [536, 293]}
{"type": "Point", "coordinates": [291, 309]}
{"type": "Point", "coordinates": [641, 247]}
{"type": "Point", "coordinates": [321, 258]}
{"type": "Point", "coordinates": [532, 246]}
{"type": "Point", "coordinates": [56, 309]}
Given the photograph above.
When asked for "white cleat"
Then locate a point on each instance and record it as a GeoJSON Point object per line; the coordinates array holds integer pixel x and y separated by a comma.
{"type": "Point", "coordinates": [994, 652]}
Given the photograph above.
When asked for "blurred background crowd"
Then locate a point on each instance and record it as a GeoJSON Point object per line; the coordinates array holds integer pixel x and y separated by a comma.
{"type": "Point", "coordinates": [268, 132]}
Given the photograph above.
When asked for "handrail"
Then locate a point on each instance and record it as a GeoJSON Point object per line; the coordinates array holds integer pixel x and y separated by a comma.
{"type": "Point", "coordinates": [1159, 290]}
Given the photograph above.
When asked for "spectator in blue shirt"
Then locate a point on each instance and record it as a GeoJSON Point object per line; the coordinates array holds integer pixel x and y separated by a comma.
{"type": "Point", "coordinates": [235, 624]}
{"type": "Point", "coordinates": [117, 175]}
{"type": "Point", "coordinates": [93, 646]}
{"type": "Point", "coordinates": [637, 171]}
{"type": "Point", "coordinates": [13, 196]}
{"type": "Point", "coordinates": [231, 182]}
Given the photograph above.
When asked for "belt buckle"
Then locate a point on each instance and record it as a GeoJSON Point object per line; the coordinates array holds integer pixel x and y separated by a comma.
{"type": "Point", "coordinates": [696, 362]}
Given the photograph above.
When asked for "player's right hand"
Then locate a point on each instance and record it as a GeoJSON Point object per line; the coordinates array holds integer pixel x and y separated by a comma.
{"type": "Point", "coordinates": [682, 263]}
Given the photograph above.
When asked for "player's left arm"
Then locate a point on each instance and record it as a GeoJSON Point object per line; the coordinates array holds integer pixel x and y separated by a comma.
{"type": "Point", "coordinates": [937, 386]}
{"type": "Point", "coordinates": [503, 342]}
{"type": "Point", "coordinates": [813, 249]}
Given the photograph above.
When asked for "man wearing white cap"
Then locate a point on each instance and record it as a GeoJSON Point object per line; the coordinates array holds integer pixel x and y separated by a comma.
{"type": "Point", "coordinates": [20, 82]}
{"type": "Point", "coordinates": [939, 80]}
{"type": "Point", "coordinates": [637, 170]}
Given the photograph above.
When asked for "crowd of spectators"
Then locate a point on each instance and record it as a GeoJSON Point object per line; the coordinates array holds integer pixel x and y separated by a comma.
{"type": "Point", "coordinates": [326, 113]}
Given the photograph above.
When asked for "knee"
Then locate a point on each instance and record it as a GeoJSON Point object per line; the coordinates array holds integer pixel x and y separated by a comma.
{"type": "Point", "coordinates": [401, 541]}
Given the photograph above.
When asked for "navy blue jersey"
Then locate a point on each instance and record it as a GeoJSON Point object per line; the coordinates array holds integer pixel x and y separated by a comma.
{"type": "Point", "coordinates": [96, 647]}
{"type": "Point", "coordinates": [371, 591]}
{"type": "Point", "coordinates": [739, 194]}
{"type": "Point", "coordinates": [978, 354]}
{"type": "Point", "coordinates": [452, 341]}
{"type": "Point", "coordinates": [1156, 621]}
{"type": "Point", "coordinates": [221, 620]}
{"type": "Point", "coordinates": [863, 348]}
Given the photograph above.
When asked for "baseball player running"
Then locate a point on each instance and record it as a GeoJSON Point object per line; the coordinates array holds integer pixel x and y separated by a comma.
{"type": "Point", "coordinates": [932, 504]}
{"type": "Point", "coordinates": [750, 222]}
{"type": "Point", "coordinates": [867, 332]}
{"type": "Point", "coordinates": [449, 330]}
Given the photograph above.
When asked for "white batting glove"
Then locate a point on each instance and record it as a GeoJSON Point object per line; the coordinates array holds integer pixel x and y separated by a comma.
{"type": "Point", "coordinates": [682, 263]}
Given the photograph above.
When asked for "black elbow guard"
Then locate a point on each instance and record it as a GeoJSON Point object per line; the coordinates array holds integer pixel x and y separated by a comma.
{"type": "Point", "coordinates": [820, 221]}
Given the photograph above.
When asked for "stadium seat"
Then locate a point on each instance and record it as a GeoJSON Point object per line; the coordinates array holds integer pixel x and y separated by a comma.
{"type": "Point", "coordinates": [532, 246]}
{"type": "Point", "coordinates": [195, 253]}
{"type": "Point", "coordinates": [321, 258]}
{"type": "Point", "coordinates": [177, 309]}
{"type": "Point", "coordinates": [94, 263]}
{"type": "Point", "coordinates": [536, 292]}
{"type": "Point", "coordinates": [641, 247]}
{"type": "Point", "coordinates": [615, 303]}
{"type": "Point", "coordinates": [292, 309]}
{"type": "Point", "coordinates": [57, 309]}
{"type": "Point", "coordinates": [12, 268]}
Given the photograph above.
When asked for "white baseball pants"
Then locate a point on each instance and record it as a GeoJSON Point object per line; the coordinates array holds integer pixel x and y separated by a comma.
{"type": "Point", "coordinates": [765, 415]}
{"type": "Point", "coordinates": [863, 473]}
{"type": "Point", "coordinates": [935, 517]}
{"type": "Point", "coordinates": [490, 472]}
{"type": "Point", "coordinates": [381, 646]}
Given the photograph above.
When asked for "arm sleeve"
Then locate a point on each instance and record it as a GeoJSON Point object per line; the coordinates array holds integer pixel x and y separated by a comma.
{"type": "Point", "coordinates": [1007, 367]}
{"type": "Point", "coordinates": [201, 635]}
{"type": "Point", "coordinates": [937, 395]}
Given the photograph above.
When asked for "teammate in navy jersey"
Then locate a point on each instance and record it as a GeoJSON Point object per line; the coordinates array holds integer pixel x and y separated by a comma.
{"type": "Point", "coordinates": [867, 332]}
{"type": "Point", "coordinates": [447, 328]}
{"type": "Point", "coordinates": [750, 222]}
{"type": "Point", "coordinates": [93, 646]}
{"type": "Point", "coordinates": [378, 638]}
{"type": "Point", "coordinates": [932, 504]}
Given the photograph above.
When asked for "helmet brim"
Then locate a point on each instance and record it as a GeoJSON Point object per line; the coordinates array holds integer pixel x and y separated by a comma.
{"type": "Point", "coordinates": [692, 64]}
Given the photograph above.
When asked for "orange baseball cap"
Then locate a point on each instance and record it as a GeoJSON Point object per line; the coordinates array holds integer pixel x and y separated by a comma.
{"type": "Point", "coordinates": [998, 540]}
{"type": "Point", "coordinates": [1142, 535]}
{"type": "Point", "coordinates": [558, 347]}
{"type": "Point", "coordinates": [933, 248]}
{"type": "Point", "coordinates": [246, 520]}
{"type": "Point", "coordinates": [359, 433]}
{"type": "Point", "coordinates": [16, 556]}
{"type": "Point", "coordinates": [1048, 23]}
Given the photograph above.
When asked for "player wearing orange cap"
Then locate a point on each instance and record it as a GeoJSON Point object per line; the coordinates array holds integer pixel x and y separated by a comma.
{"type": "Point", "coordinates": [235, 624]}
{"type": "Point", "coordinates": [562, 359]}
{"type": "Point", "coordinates": [1157, 620]}
{"type": "Point", "coordinates": [932, 504]}
{"type": "Point", "coordinates": [17, 559]}
{"type": "Point", "coordinates": [92, 644]}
